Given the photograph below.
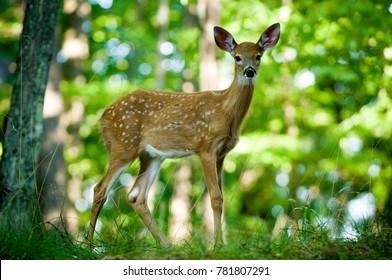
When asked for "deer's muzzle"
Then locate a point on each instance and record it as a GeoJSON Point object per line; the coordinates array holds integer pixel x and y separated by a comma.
{"type": "Point", "coordinates": [250, 72]}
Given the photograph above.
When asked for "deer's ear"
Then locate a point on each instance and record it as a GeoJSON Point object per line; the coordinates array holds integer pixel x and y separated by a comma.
{"type": "Point", "coordinates": [224, 40]}
{"type": "Point", "coordinates": [270, 37]}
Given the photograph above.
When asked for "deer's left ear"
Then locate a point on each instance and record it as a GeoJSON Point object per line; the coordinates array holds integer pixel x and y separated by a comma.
{"type": "Point", "coordinates": [270, 37]}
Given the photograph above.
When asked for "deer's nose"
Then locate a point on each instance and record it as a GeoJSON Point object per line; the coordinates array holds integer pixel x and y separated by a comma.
{"type": "Point", "coordinates": [250, 72]}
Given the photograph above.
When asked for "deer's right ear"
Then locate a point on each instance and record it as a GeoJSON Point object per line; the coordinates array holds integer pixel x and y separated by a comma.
{"type": "Point", "coordinates": [224, 40]}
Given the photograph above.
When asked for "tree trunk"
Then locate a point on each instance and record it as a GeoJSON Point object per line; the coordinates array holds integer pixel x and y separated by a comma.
{"type": "Point", "coordinates": [75, 43]}
{"type": "Point", "coordinates": [209, 16]}
{"type": "Point", "coordinates": [24, 121]}
{"type": "Point", "coordinates": [163, 21]}
{"type": "Point", "coordinates": [75, 48]}
{"type": "Point", "coordinates": [180, 225]}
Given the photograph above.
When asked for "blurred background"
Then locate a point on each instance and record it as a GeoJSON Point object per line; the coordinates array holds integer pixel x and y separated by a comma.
{"type": "Point", "coordinates": [315, 152]}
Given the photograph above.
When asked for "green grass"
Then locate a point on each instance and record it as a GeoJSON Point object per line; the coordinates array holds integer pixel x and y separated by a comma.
{"type": "Point", "coordinates": [29, 244]}
{"type": "Point", "coordinates": [316, 245]}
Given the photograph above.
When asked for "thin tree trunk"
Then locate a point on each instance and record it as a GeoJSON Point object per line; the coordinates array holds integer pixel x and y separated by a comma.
{"type": "Point", "coordinates": [75, 42]}
{"type": "Point", "coordinates": [163, 21]}
{"type": "Point", "coordinates": [209, 16]}
{"type": "Point", "coordinates": [180, 226]}
{"type": "Point", "coordinates": [24, 121]}
{"type": "Point", "coordinates": [52, 174]}
{"type": "Point", "coordinates": [76, 50]}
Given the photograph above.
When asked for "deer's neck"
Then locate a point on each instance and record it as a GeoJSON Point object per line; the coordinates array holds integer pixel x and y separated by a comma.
{"type": "Point", "coordinates": [239, 97]}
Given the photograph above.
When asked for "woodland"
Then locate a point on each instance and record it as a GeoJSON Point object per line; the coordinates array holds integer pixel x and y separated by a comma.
{"type": "Point", "coordinates": [311, 177]}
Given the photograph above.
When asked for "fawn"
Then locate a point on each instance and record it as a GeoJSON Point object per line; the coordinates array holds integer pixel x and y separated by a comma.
{"type": "Point", "coordinates": [154, 125]}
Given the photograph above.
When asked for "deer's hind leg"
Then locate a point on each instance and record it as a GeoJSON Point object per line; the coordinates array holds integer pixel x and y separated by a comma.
{"type": "Point", "coordinates": [117, 164]}
{"type": "Point", "coordinates": [137, 197]}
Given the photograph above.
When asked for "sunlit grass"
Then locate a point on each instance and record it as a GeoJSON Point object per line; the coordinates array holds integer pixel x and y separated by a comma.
{"type": "Point", "coordinates": [315, 244]}
{"type": "Point", "coordinates": [373, 242]}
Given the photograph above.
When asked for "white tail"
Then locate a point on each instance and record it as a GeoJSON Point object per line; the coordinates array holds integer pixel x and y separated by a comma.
{"type": "Point", "coordinates": [154, 125]}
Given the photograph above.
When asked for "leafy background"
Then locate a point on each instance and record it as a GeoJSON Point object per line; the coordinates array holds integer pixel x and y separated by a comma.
{"type": "Point", "coordinates": [316, 147]}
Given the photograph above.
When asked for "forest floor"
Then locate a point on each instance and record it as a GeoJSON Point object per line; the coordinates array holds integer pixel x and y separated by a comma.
{"type": "Point", "coordinates": [54, 245]}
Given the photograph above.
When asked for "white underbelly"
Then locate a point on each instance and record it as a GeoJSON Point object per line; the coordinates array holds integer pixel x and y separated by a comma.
{"type": "Point", "coordinates": [162, 155]}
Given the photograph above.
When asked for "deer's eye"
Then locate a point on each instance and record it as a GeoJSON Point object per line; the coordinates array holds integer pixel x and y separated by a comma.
{"type": "Point", "coordinates": [258, 57]}
{"type": "Point", "coordinates": [237, 58]}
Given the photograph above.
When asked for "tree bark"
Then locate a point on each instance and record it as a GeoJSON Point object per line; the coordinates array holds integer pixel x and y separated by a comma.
{"type": "Point", "coordinates": [24, 121]}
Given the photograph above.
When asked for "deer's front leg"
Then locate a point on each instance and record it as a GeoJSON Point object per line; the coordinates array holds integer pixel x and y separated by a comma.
{"type": "Point", "coordinates": [219, 167]}
{"type": "Point", "coordinates": [209, 164]}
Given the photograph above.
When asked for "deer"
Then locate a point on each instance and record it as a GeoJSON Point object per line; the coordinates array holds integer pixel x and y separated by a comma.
{"type": "Point", "coordinates": [154, 125]}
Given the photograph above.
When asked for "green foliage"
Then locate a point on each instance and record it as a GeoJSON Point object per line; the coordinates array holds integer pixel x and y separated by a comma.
{"type": "Point", "coordinates": [318, 134]}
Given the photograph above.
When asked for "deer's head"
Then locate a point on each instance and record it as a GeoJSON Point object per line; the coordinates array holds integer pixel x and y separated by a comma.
{"type": "Point", "coordinates": [247, 55]}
